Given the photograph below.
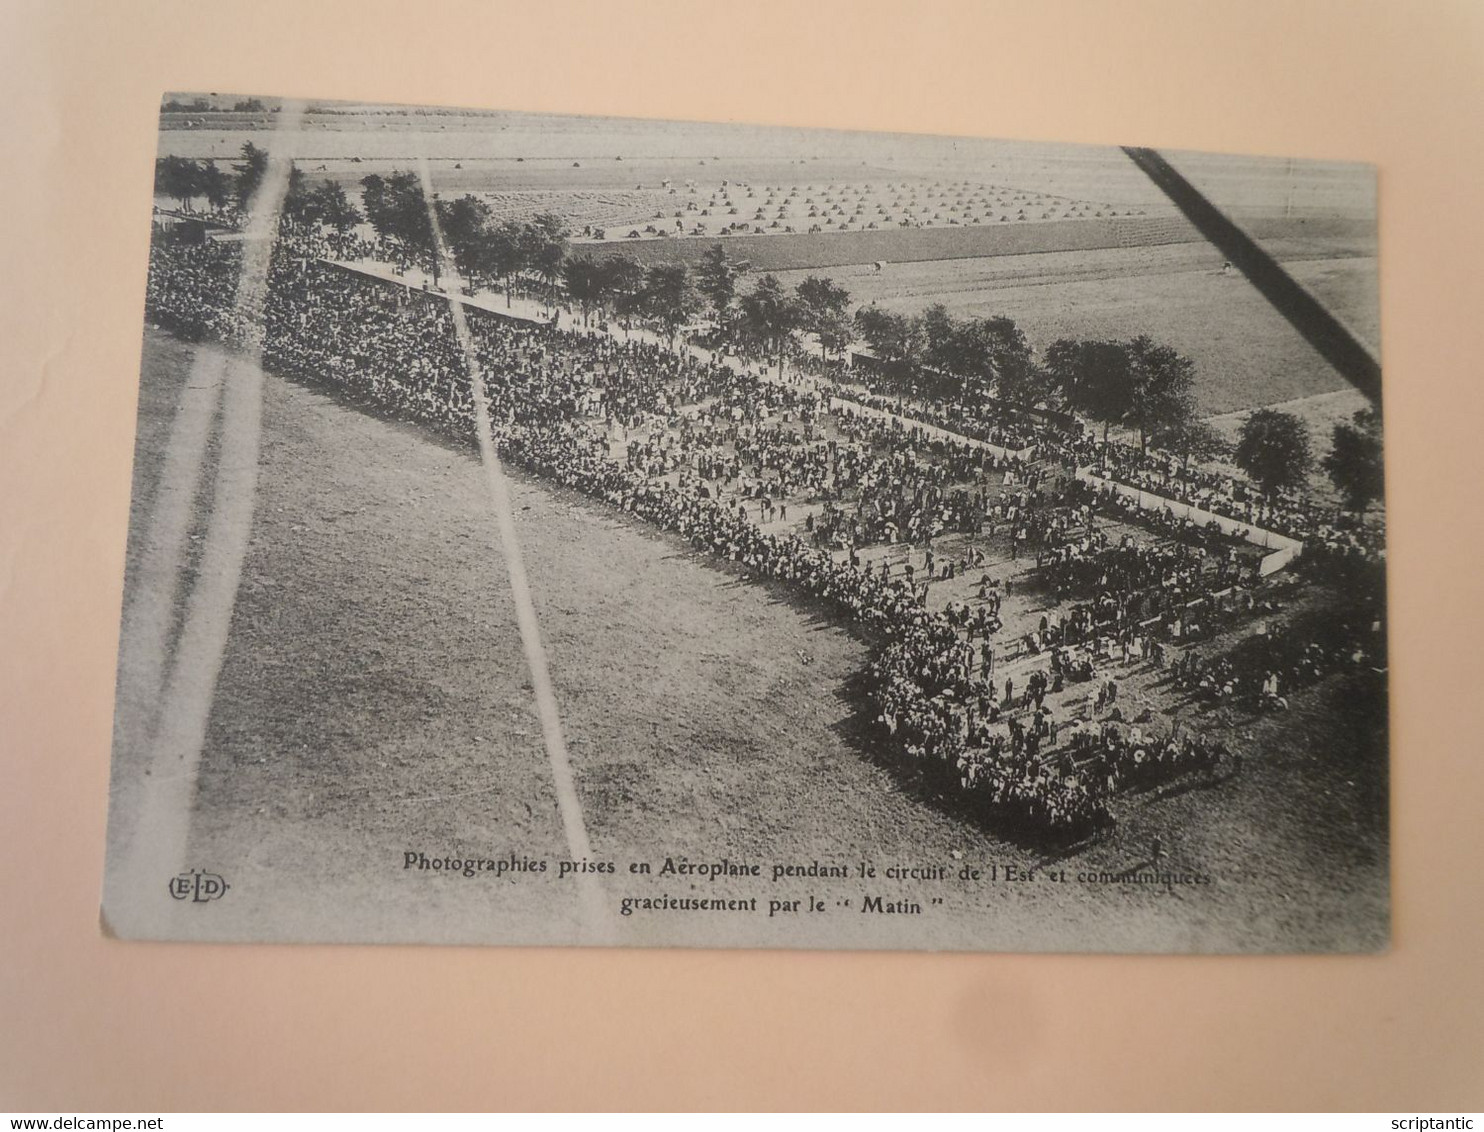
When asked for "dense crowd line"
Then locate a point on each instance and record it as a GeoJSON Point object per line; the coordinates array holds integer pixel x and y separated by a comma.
{"type": "Point", "coordinates": [1327, 532]}
{"type": "Point", "coordinates": [715, 454]}
{"type": "Point", "coordinates": [1323, 529]}
{"type": "Point", "coordinates": [984, 423]}
{"type": "Point", "coordinates": [1270, 666]}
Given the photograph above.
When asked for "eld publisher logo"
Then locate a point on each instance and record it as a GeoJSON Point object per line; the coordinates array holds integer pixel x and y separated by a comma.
{"type": "Point", "coordinates": [198, 887]}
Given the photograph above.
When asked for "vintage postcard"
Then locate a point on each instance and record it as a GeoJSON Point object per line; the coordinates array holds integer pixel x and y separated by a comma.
{"type": "Point", "coordinates": [556, 530]}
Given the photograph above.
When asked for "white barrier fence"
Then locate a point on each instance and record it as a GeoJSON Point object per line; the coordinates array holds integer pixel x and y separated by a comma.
{"type": "Point", "coordinates": [1281, 548]}
{"type": "Point", "coordinates": [838, 404]}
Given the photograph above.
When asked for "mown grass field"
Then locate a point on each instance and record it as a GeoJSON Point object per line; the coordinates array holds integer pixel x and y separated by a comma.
{"type": "Point", "coordinates": [1246, 355]}
{"type": "Point", "coordinates": [374, 700]}
{"type": "Point", "coordinates": [1055, 276]}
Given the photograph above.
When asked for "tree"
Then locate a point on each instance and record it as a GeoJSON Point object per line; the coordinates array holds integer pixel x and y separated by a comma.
{"type": "Point", "coordinates": [215, 185]}
{"type": "Point", "coordinates": [464, 222]}
{"type": "Point", "coordinates": [296, 199]}
{"type": "Point", "coordinates": [329, 205]}
{"type": "Point", "coordinates": [1163, 388]}
{"type": "Point", "coordinates": [878, 328]}
{"type": "Point", "coordinates": [671, 297]}
{"type": "Point", "coordinates": [623, 286]}
{"type": "Point", "coordinates": [502, 253]}
{"type": "Point", "coordinates": [584, 278]}
{"type": "Point", "coordinates": [250, 172]}
{"type": "Point", "coordinates": [180, 178]}
{"type": "Point", "coordinates": [1193, 439]}
{"type": "Point", "coordinates": [551, 227]}
{"type": "Point", "coordinates": [1273, 448]}
{"type": "Point", "coordinates": [716, 278]}
{"type": "Point", "coordinates": [531, 241]}
{"type": "Point", "coordinates": [407, 212]}
{"type": "Point", "coordinates": [993, 353]}
{"type": "Point", "coordinates": [1022, 382]}
{"type": "Point", "coordinates": [1061, 368]}
{"type": "Point", "coordinates": [770, 315]}
{"type": "Point", "coordinates": [1097, 380]}
{"type": "Point", "coordinates": [835, 330]}
{"type": "Point", "coordinates": [941, 341]}
{"type": "Point", "coordinates": [397, 211]}
{"type": "Point", "coordinates": [547, 248]}
{"type": "Point", "coordinates": [824, 305]}
{"type": "Point", "coordinates": [897, 340]}
{"type": "Point", "coordinates": [373, 200]}
{"type": "Point", "coordinates": [1354, 463]}
{"type": "Point", "coordinates": [548, 262]}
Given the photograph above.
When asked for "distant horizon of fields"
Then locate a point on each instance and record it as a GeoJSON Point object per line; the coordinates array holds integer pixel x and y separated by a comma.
{"type": "Point", "coordinates": [1096, 172]}
{"type": "Point", "coordinates": [1088, 276]}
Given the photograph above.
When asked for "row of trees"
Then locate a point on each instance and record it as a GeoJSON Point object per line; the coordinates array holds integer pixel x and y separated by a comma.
{"type": "Point", "coordinates": [954, 358]}
{"type": "Point", "coordinates": [326, 204]}
{"type": "Point", "coordinates": [766, 317]}
{"type": "Point", "coordinates": [185, 180]}
{"type": "Point", "coordinates": [1138, 384]}
{"type": "Point", "coordinates": [204, 106]}
{"type": "Point", "coordinates": [1150, 387]}
{"type": "Point", "coordinates": [482, 249]}
{"type": "Point", "coordinates": [1274, 448]}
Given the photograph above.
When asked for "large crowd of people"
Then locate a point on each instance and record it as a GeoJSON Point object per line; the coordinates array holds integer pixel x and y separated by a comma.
{"type": "Point", "coordinates": [719, 455]}
{"type": "Point", "coordinates": [1323, 529]}
{"type": "Point", "coordinates": [997, 428]}
{"type": "Point", "coordinates": [1327, 532]}
{"type": "Point", "coordinates": [1268, 667]}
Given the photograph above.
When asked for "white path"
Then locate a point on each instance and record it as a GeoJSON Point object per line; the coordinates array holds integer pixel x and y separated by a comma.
{"type": "Point", "coordinates": [597, 922]}
{"type": "Point", "coordinates": [136, 898]}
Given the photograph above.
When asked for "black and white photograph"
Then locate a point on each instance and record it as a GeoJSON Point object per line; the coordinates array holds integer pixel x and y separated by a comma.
{"type": "Point", "coordinates": [608, 532]}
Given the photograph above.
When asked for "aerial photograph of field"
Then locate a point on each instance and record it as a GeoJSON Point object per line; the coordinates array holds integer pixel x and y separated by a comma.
{"type": "Point", "coordinates": [585, 531]}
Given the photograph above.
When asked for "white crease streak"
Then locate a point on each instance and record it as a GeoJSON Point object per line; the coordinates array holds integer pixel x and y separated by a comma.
{"type": "Point", "coordinates": [598, 922]}
{"type": "Point", "coordinates": [157, 851]}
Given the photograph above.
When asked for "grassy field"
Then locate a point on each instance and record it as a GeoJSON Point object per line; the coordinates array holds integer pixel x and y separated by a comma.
{"type": "Point", "coordinates": [1056, 276]}
{"type": "Point", "coordinates": [1246, 355]}
{"type": "Point", "coordinates": [374, 700]}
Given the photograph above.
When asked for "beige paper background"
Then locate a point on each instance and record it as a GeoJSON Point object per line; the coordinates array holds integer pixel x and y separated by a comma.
{"type": "Point", "coordinates": [91, 1024]}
